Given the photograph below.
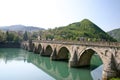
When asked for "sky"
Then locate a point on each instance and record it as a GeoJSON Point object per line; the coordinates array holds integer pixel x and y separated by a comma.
{"type": "Point", "coordinates": [55, 13]}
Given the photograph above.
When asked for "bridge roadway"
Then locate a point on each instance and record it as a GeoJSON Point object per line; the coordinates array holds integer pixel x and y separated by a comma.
{"type": "Point", "coordinates": [79, 54]}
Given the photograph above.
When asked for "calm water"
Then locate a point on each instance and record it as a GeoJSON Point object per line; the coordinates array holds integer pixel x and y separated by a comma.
{"type": "Point", "coordinates": [18, 64]}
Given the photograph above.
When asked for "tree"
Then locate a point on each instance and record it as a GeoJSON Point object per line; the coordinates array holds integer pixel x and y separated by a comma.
{"type": "Point", "coordinates": [49, 37]}
{"type": "Point", "coordinates": [25, 36]}
{"type": "Point", "coordinates": [1, 36]}
{"type": "Point", "coordinates": [17, 39]}
{"type": "Point", "coordinates": [7, 36]}
{"type": "Point", "coordinates": [40, 34]}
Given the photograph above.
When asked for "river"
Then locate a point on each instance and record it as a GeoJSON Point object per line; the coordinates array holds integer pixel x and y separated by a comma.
{"type": "Point", "coordinates": [18, 64]}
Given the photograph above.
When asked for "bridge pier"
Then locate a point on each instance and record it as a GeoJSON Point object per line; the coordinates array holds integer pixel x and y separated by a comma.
{"type": "Point", "coordinates": [107, 75]}
{"type": "Point", "coordinates": [30, 47]}
{"type": "Point", "coordinates": [54, 55]}
{"type": "Point", "coordinates": [42, 52]}
{"type": "Point", "coordinates": [35, 50]}
{"type": "Point", "coordinates": [73, 62]}
{"type": "Point", "coordinates": [109, 69]}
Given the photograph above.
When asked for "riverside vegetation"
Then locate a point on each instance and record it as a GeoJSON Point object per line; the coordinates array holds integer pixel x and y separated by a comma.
{"type": "Point", "coordinates": [84, 30]}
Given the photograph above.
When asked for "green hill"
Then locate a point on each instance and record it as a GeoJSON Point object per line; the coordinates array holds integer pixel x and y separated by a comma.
{"type": "Point", "coordinates": [85, 30]}
{"type": "Point", "coordinates": [115, 34]}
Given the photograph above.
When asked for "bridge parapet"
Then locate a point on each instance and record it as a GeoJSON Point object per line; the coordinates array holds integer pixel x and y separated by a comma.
{"type": "Point", "coordinates": [86, 43]}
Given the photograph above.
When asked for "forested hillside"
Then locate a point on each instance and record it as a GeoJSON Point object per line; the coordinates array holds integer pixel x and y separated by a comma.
{"type": "Point", "coordinates": [84, 30]}
{"type": "Point", "coordinates": [78, 31]}
{"type": "Point", "coordinates": [115, 34]}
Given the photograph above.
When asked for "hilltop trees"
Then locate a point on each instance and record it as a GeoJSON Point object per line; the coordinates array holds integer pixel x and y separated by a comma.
{"type": "Point", "coordinates": [84, 30]}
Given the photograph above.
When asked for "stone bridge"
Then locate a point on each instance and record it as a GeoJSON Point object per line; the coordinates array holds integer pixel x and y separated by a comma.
{"type": "Point", "coordinates": [79, 54]}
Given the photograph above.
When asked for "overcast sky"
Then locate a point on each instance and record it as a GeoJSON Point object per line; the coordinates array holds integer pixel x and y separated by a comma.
{"type": "Point", "coordinates": [55, 13]}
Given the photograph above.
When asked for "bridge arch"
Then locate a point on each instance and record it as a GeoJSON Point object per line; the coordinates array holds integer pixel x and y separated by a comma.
{"type": "Point", "coordinates": [86, 56]}
{"type": "Point", "coordinates": [64, 54]}
{"type": "Point", "coordinates": [48, 50]}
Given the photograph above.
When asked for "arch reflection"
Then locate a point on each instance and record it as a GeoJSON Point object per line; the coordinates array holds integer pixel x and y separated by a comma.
{"type": "Point", "coordinates": [58, 70]}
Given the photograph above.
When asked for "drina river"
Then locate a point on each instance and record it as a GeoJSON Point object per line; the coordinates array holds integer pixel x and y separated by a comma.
{"type": "Point", "coordinates": [18, 64]}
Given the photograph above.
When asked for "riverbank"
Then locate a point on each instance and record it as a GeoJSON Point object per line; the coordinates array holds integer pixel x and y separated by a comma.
{"type": "Point", "coordinates": [9, 45]}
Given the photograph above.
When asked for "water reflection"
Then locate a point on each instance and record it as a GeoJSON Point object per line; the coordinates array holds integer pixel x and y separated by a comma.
{"type": "Point", "coordinates": [9, 55]}
{"type": "Point", "coordinates": [58, 70]}
{"type": "Point", "coordinates": [15, 65]}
